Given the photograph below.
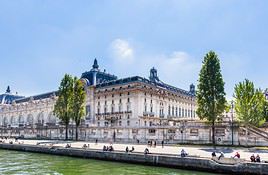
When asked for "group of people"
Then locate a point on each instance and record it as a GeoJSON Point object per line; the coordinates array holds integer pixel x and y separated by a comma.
{"type": "Point", "coordinates": [85, 146]}
{"type": "Point", "coordinates": [152, 143]}
{"type": "Point", "coordinates": [108, 148]}
{"type": "Point", "coordinates": [237, 155]}
{"type": "Point", "coordinates": [10, 141]}
{"type": "Point", "coordinates": [255, 159]}
{"type": "Point", "coordinates": [128, 150]}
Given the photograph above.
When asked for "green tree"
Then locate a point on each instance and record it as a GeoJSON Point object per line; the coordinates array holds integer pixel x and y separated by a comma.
{"type": "Point", "coordinates": [250, 103]}
{"type": "Point", "coordinates": [63, 106]}
{"type": "Point", "coordinates": [210, 94]}
{"type": "Point", "coordinates": [265, 110]}
{"type": "Point", "coordinates": [78, 105]}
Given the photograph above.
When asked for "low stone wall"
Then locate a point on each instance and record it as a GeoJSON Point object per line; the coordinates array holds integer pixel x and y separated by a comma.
{"type": "Point", "coordinates": [191, 163]}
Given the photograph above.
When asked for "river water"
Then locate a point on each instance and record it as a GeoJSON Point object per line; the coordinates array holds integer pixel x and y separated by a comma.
{"type": "Point", "coordinates": [14, 162]}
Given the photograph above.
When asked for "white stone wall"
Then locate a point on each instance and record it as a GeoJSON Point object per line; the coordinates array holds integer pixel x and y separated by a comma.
{"type": "Point", "coordinates": [28, 113]}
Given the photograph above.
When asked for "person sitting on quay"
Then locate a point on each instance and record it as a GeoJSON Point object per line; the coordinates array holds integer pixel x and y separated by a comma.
{"type": "Point", "coordinates": [237, 155]}
{"type": "Point", "coordinates": [110, 148]}
{"type": "Point", "coordinates": [146, 151]}
{"type": "Point", "coordinates": [252, 158]}
{"type": "Point", "coordinates": [213, 154]}
{"type": "Point", "coordinates": [104, 148]}
{"type": "Point", "coordinates": [183, 153]}
{"type": "Point", "coordinates": [127, 149]}
{"type": "Point", "coordinates": [84, 146]}
{"type": "Point", "coordinates": [258, 159]}
{"type": "Point", "coordinates": [68, 145]}
{"type": "Point", "coordinates": [132, 149]}
{"type": "Point", "coordinates": [221, 156]}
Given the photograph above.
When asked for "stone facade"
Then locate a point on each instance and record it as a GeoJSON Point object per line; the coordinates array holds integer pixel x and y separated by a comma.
{"type": "Point", "coordinates": [127, 109]}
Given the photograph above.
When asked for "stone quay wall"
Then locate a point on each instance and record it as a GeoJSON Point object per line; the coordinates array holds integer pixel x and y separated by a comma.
{"type": "Point", "coordinates": [191, 163]}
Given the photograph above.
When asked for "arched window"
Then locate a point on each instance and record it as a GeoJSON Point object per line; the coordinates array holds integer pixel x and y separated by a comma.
{"type": "Point", "coordinates": [13, 120]}
{"type": "Point", "coordinates": [5, 121]}
{"type": "Point", "coordinates": [21, 119]}
{"type": "Point", "coordinates": [51, 118]}
{"type": "Point", "coordinates": [40, 118]}
{"type": "Point", "coordinates": [30, 119]}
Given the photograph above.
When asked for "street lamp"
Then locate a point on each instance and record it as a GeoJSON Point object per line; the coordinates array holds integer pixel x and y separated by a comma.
{"type": "Point", "coordinates": [232, 106]}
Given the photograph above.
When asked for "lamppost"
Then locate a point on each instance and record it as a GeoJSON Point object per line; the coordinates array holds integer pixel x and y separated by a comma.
{"type": "Point", "coordinates": [232, 127]}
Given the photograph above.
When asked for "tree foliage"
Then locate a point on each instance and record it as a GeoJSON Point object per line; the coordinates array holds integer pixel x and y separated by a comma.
{"type": "Point", "coordinates": [63, 107]}
{"type": "Point", "coordinates": [250, 103]}
{"type": "Point", "coordinates": [78, 105]}
{"type": "Point", "coordinates": [210, 94]}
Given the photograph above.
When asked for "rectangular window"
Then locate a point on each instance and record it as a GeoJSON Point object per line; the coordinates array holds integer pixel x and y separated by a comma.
{"type": "Point", "coordinates": [220, 132]}
{"type": "Point", "coordinates": [87, 109]}
{"type": "Point", "coordinates": [173, 131]}
{"type": "Point", "coordinates": [128, 108]}
{"type": "Point", "coordinates": [194, 132]}
{"type": "Point", "coordinates": [151, 131]}
{"type": "Point", "coordinates": [134, 131]}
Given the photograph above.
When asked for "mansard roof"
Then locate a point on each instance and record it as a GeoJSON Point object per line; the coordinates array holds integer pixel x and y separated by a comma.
{"type": "Point", "coordinates": [101, 76]}
{"type": "Point", "coordinates": [8, 97]}
{"type": "Point", "coordinates": [146, 81]}
{"type": "Point", "coordinates": [37, 97]}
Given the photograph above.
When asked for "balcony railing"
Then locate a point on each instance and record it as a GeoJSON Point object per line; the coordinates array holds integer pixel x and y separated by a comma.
{"type": "Point", "coordinates": [111, 118]}
{"type": "Point", "coordinates": [162, 115]}
{"type": "Point", "coordinates": [151, 114]}
{"type": "Point", "coordinates": [113, 113]}
{"type": "Point", "coordinates": [145, 113]}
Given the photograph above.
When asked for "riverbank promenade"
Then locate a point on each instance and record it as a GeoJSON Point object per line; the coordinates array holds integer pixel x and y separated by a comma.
{"type": "Point", "coordinates": [192, 150]}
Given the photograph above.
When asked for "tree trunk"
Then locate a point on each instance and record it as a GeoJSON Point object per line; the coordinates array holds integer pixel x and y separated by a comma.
{"type": "Point", "coordinates": [76, 132]}
{"type": "Point", "coordinates": [213, 133]}
{"type": "Point", "coordinates": [66, 132]}
{"type": "Point", "coordinates": [246, 135]}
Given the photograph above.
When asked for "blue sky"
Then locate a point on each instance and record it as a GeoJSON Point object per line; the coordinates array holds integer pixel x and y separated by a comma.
{"type": "Point", "coordinates": [42, 40]}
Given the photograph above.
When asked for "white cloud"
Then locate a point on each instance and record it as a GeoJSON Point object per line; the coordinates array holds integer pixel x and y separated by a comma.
{"type": "Point", "coordinates": [177, 68]}
{"type": "Point", "coordinates": [122, 51]}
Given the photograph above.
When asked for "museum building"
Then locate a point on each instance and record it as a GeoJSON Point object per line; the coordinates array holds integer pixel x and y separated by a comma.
{"type": "Point", "coordinates": [126, 110]}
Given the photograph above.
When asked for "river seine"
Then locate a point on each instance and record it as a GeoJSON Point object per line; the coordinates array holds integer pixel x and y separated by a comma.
{"type": "Point", "coordinates": [22, 163]}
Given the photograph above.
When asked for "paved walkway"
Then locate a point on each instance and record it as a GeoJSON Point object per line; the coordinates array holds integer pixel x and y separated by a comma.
{"type": "Point", "coordinates": [202, 151]}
